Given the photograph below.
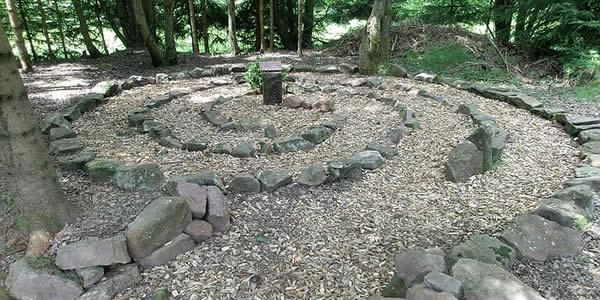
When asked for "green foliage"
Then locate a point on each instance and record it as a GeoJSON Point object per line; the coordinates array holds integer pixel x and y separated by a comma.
{"type": "Point", "coordinates": [7, 199]}
{"type": "Point", "coordinates": [22, 223]}
{"type": "Point", "coordinates": [254, 76]}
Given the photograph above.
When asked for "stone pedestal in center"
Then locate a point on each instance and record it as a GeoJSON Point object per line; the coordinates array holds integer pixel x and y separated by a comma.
{"type": "Point", "coordinates": [272, 88]}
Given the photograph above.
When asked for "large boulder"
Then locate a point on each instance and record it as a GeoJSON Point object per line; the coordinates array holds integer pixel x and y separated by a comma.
{"type": "Point", "coordinates": [537, 239]}
{"type": "Point", "coordinates": [416, 262]}
{"type": "Point", "coordinates": [118, 279]}
{"type": "Point", "coordinates": [93, 252]}
{"type": "Point", "coordinates": [157, 224]}
{"type": "Point", "coordinates": [273, 178]}
{"type": "Point", "coordinates": [244, 183]}
{"type": "Point", "coordinates": [484, 281]}
{"type": "Point", "coordinates": [464, 161]}
{"type": "Point", "coordinates": [581, 194]}
{"type": "Point", "coordinates": [217, 213]}
{"type": "Point", "coordinates": [203, 177]}
{"type": "Point", "coordinates": [89, 275]}
{"type": "Point", "coordinates": [314, 175]}
{"type": "Point", "coordinates": [144, 177]}
{"type": "Point", "coordinates": [441, 282]}
{"type": "Point", "coordinates": [483, 248]}
{"type": "Point", "coordinates": [179, 245]}
{"type": "Point", "coordinates": [38, 278]}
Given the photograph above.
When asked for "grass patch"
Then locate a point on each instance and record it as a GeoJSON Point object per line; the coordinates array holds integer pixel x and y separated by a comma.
{"type": "Point", "coordinates": [453, 60]}
{"type": "Point", "coordinates": [590, 91]}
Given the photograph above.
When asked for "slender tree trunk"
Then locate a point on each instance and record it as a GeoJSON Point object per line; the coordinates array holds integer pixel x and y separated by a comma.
{"type": "Point", "coordinates": [26, 27]}
{"type": "Point", "coordinates": [261, 25]}
{"type": "Point", "coordinates": [271, 25]}
{"type": "Point", "coordinates": [16, 27]}
{"type": "Point", "coordinates": [195, 48]}
{"type": "Point", "coordinates": [287, 32]}
{"type": "Point", "coordinates": [300, 54]}
{"type": "Point", "coordinates": [502, 20]}
{"type": "Point", "coordinates": [231, 22]}
{"type": "Point", "coordinates": [60, 29]}
{"type": "Point", "coordinates": [308, 22]}
{"type": "Point", "coordinates": [205, 27]}
{"type": "Point", "coordinates": [31, 175]}
{"type": "Point", "coordinates": [85, 32]}
{"type": "Point", "coordinates": [140, 19]}
{"type": "Point", "coordinates": [520, 35]}
{"type": "Point", "coordinates": [150, 15]}
{"type": "Point", "coordinates": [375, 45]}
{"type": "Point", "coordinates": [126, 15]}
{"type": "Point", "coordinates": [101, 26]}
{"type": "Point", "coordinates": [171, 51]}
{"type": "Point", "coordinates": [45, 30]}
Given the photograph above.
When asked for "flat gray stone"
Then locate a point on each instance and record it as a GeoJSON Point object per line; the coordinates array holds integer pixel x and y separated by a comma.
{"type": "Point", "coordinates": [66, 146]}
{"type": "Point", "coordinates": [76, 161]}
{"type": "Point", "coordinates": [337, 121]}
{"type": "Point", "coordinates": [107, 88]}
{"type": "Point", "coordinates": [327, 69]}
{"type": "Point", "coordinates": [548, 113]}
{"type": "Point", "coordinates": [463, 162]}
{"type": "Point", "coordinates": [243, 150]}
{"type": "Point", "coordinates": [274, 178]}
{"type": "Point", "coordinates": [244, 183]}
{"type": "Point", "coordinates": [93, 252]}
{"type": "Point", "coordinates": [141, 177]}
{"type": "Point", "coordinates": [474, 275]}
{"type": "Point", "coordinates": [271, 132]}
{"type": "Point", "coordinates": [565, 213]}
{"type": "Point", "coordinates": [90, 275]}
{"type": "Point", "coordinates": [60, 133]}
{"type": "Point", "coordinates": [53, 121]}
{"type": "Point", "coordinates": [317, 135]}
{"type": "Point", "coordinates": [592, 182]}
{"type": "Point", "coordinates": [369, 159]}
{"type": "Point", "coordinates": [413, 264]}
{"type": "Point", "coordinates": [137, 118]}
{"type": "Point", "coordinates": [38, 278]}
{"type": "Point", "coordinates": [314, 175]}
{"type": "Point", "coordinates": [589, 136]}
{"type": "Point", "coordinates": [217, 213]}
{"type": "Point", "coordinates": [170, 142]}
{"type": "Point", "coordinates": [537, 239]}
{"type": "Point", "coordinates": [195, 145]}
{"type": "Point", "coordinates": [420, 292]}
{"type": "Point", "coordinates": [179, 245]}
{"type": "Point", "coordinates": [292, 144]}
{"type": "Point", "coordinates": [220, 82]}
{"type": "Point", "coordinates": [199, 230]}
{"type": "Point", "coordinates": [386, 152]}
{"type": "Point", "coordinates": [162, 78]}
{"type": "Point", "coordinates": [346, 168]}
{"type": "Point", "coordinates": [117, 280]}
{"type": "Point", "coordinates": [158, 101]}
{"type": "Point", "coordinates": [158, 223]}
{"type": "Point", "coordinates": [483, 248]}
{"type": "Point", "coordinates": [398, 133]}
{"type": "Point", "coordinates": [575, 124]}
{"type": "Point", "coordinates": [591, 147]}
{"type": "Point", "coordinates": [348, 68]}
{"type": "Point", "coordinates": [195, 196]}
{"type": "Point", "coordinates": [397, 70]}
{"type": "Point", "coordinates": [102, 170]}
{"type": "Point", "coordinates": [427, 77]}
{"type": "Point", "coordinates": [203, 177]}
{"type": "Point", "coordinates": [584, 171]}
{"type": "Point", "coordinates": [441, 282]}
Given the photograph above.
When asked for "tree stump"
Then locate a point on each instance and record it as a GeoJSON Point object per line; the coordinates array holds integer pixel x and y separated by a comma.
{"type": "Point", "coordinates": [272, 88]}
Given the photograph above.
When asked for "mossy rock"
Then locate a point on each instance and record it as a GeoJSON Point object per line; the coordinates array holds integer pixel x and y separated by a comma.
{"type": "Point", "coordinates": [395, 288]}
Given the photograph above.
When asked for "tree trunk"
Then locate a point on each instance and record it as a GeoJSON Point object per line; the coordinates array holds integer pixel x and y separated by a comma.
{"type": "Point", "coordinates": [60, 29]}
{"type": "Point", "coordinates": [85, 32]}
{"type": "Point", "coordinates": [308, 21]}
{"type": "Point", "coordinates": [375, 45]}
{"type": "Point", "coordinates": [16, 27]}
{"type": "Point", "coordinates": [286, 31]}
{"type": "Point", "coordinates": [150, 15]}
{"type": "Point", "coordinates": [205, 27]}
{"type": "Point", "coordinates": [271, 23]}
{"type": "Point", "coordinates": [171, 52]}
{"type": "Point", "coordinates": [45, 30]}
{"type": "Point", "coordinates": [231, 22]}
{"type": "Point", "coordinates": [26, 27]}
{"type": "Point", "coordinates": [126, 15]}
{"type": "Point", "coordinates": [101, 26]}
{"type": "Point", "coordinates": [31, 176]}
{"type": "Point", "coordinates": [502, 21]}
{"type": "Point", "coordinates": [261, 25]}
{"type": "Point", "coordinates": [149, 41]}
{"type": "Point", "coordinates": [300, 28]}
{"type": "Point", "coordinates": [195, 48]}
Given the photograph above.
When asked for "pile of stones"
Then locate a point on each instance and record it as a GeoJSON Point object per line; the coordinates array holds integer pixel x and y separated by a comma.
{"type": "Point", "coordinates": [481, 151]}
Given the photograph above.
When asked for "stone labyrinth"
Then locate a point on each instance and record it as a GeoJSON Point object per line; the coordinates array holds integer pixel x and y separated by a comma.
{"type": "Point", "coordinates": [345, 187]}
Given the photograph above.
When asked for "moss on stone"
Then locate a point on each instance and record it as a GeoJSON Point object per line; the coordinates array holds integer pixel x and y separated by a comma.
{"type": "Point", "coordinates": [395, 288]}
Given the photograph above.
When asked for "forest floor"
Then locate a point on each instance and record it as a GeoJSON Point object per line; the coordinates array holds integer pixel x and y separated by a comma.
{"type": "Point", "coordinates": [334, 241]}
